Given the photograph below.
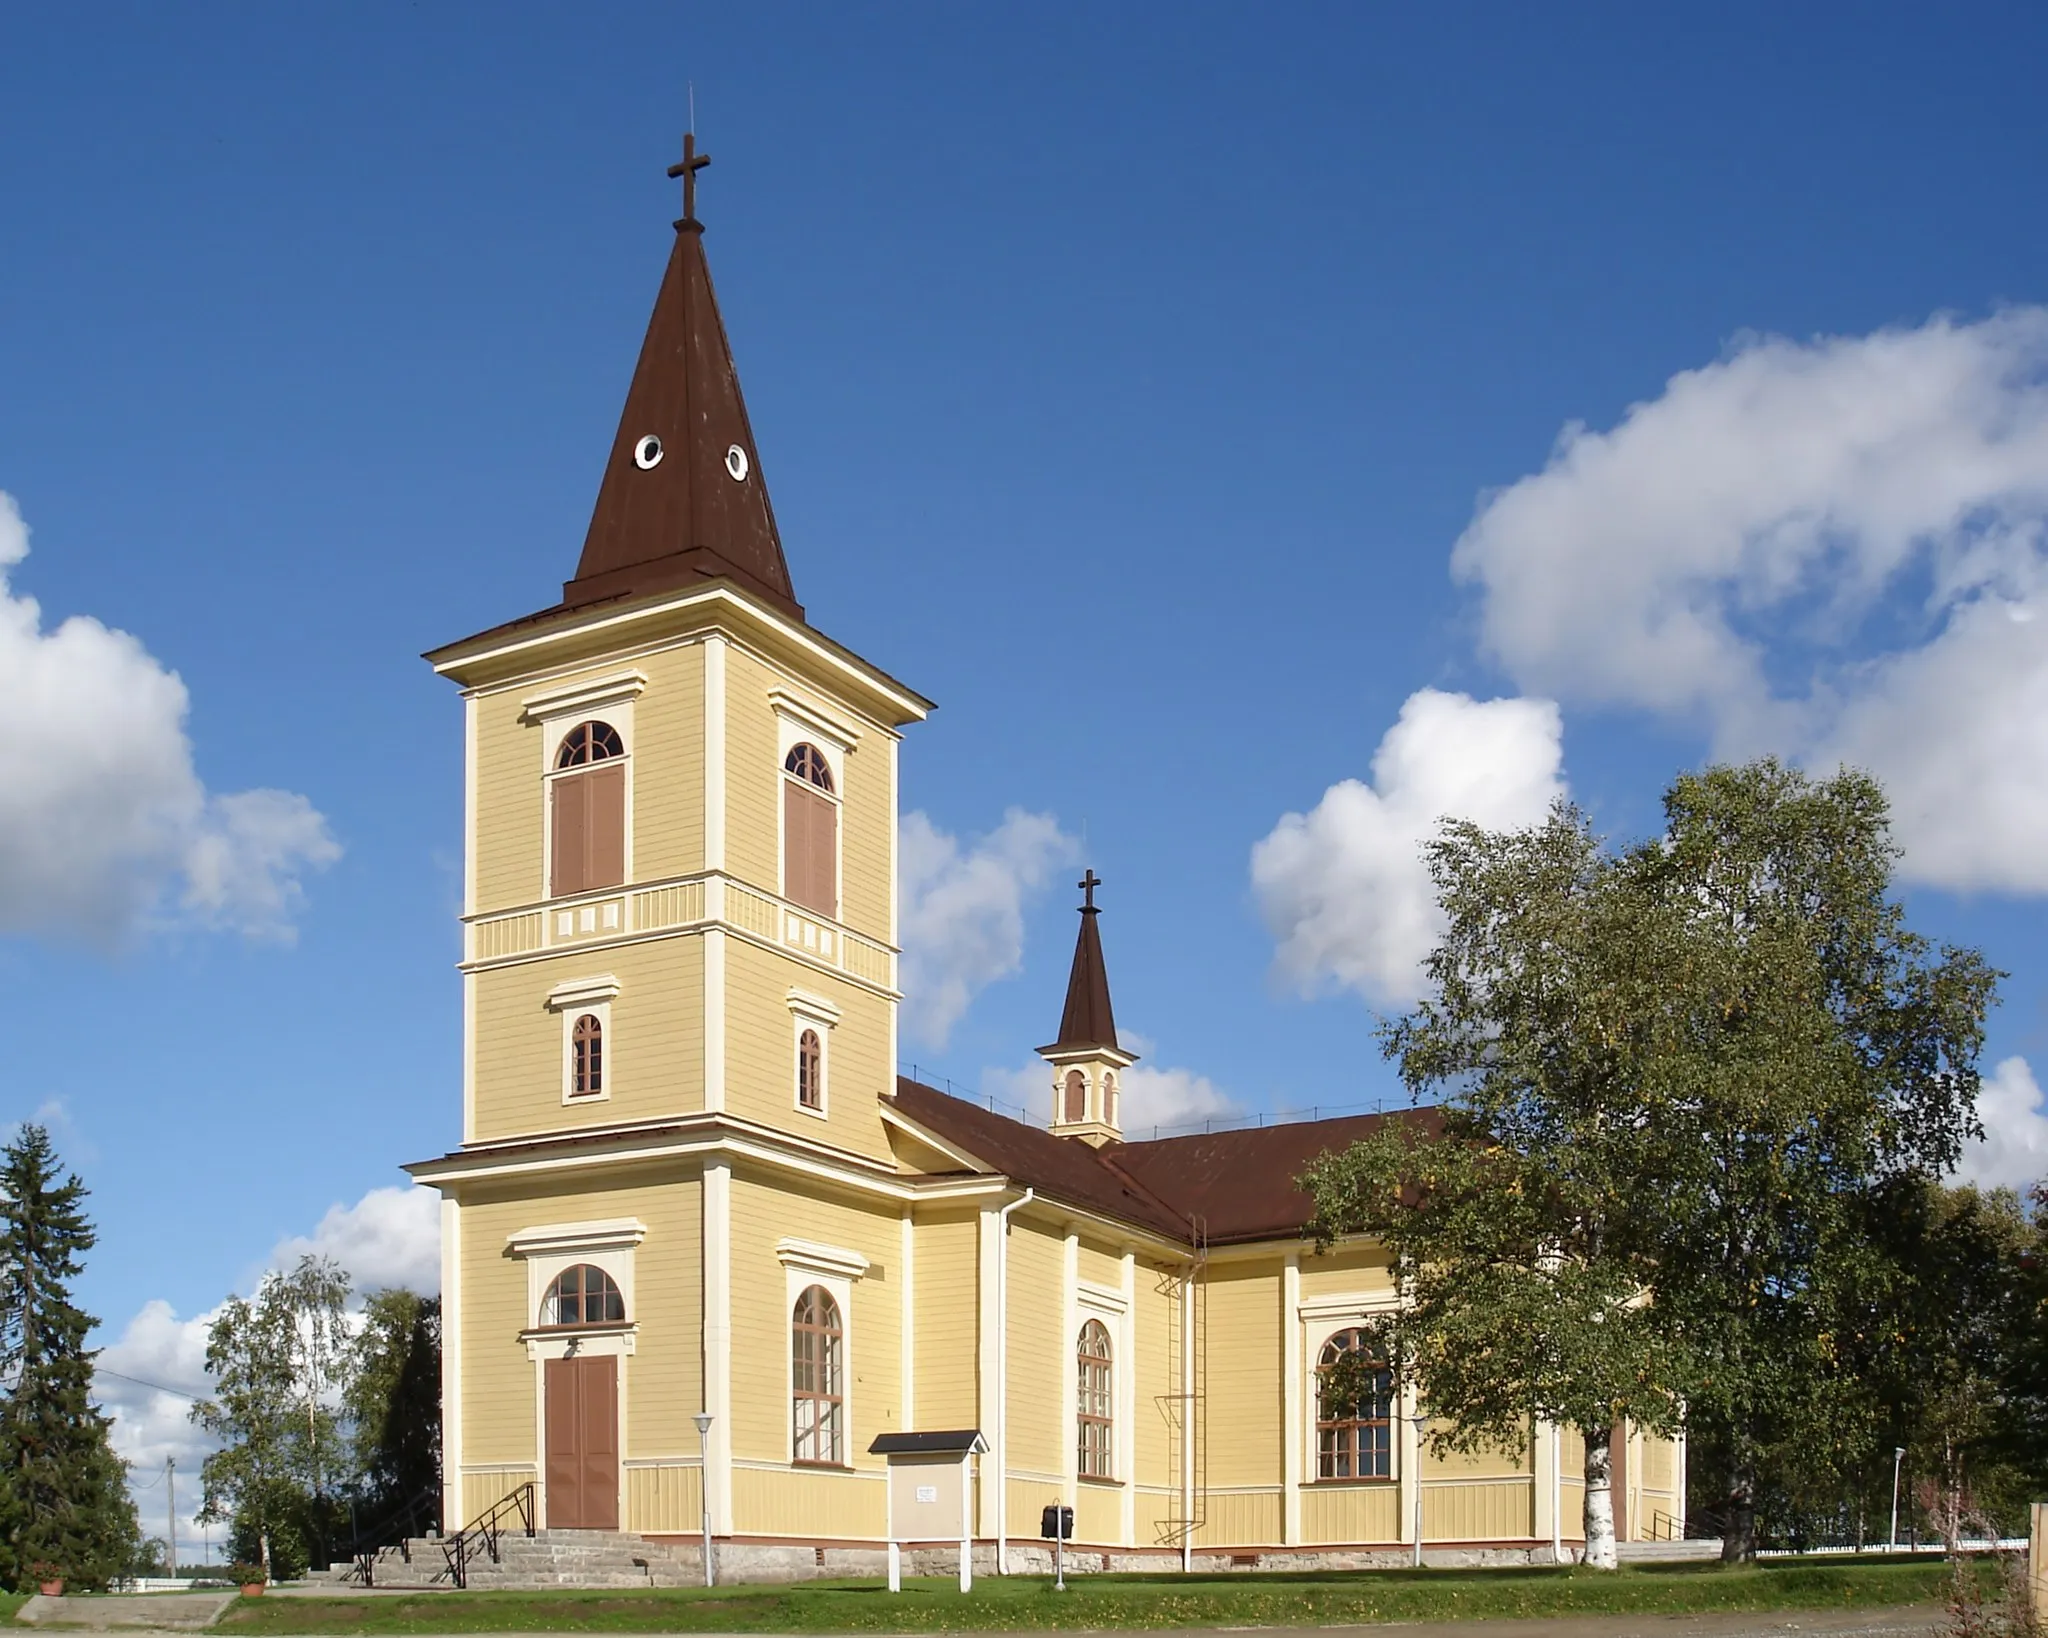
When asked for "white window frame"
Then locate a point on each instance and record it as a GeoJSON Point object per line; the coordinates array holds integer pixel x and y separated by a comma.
{"type": "Point", "coordinates": [559, 712]}
{"type": "Point", "coordinates": [1321, 1320]}
{"type": "Point", "coordinates": [806, 1263]}
{"type": "Point", "coordinates": [575, 999]}
{"type": "Point", "coordinates": [809, 1011]}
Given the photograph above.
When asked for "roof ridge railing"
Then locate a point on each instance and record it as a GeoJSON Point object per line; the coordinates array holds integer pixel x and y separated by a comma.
{"type": "Point", "coordinates": [1252, 1121]}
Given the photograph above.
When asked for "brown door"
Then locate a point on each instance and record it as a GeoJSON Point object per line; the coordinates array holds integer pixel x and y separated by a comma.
{"type": "Point", "coordinates": [583, 1444]}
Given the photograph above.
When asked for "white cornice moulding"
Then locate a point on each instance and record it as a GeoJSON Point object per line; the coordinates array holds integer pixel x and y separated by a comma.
{"type": "Point", "coordinates": [583, 696]}
{"type": "Point", "coordinates": [1353, 1305]}
{"type": "Point", "coordinates": [814, 1258]}
{"type": "Point", "coordinates": [836, 729]}
{"type": "Point", "coordinates": [608, 1234]}
{"type": "Point", "coordinates": [814, 1007]}
{"type": "Point", "coordinates": [582, 992]}
{"type": "Point", "coordinates": [1101, 1298]}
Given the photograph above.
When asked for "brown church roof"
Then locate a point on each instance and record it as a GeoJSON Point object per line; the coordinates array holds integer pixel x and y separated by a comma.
{"type": "Point", "coordinates": [683, 498]}
{"type": "Point", "coordinates": [1087, 1020]}
{"type": "Point", "coordinates": [1237, 1186]}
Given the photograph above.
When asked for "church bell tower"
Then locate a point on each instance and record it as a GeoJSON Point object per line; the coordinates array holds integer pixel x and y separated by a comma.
{"type": "Point", "coordinates": [1086, 1060]}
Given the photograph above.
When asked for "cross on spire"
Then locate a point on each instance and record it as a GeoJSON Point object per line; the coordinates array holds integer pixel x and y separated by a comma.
{"type": "Point", "coordinates": [687, 168]}
{"type": "Point", "coordinates": [1088, 885]}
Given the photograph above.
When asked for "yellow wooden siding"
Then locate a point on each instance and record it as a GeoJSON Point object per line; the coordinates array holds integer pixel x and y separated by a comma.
{"type": "Point", "coordinates": [944, 1324]}
{"type": "Point", "coordinates": [1155, 1511]}
{"type": "Point", "coordinates": [654, 1049]}
{"type": "Point", "coordinates": [1102, 1267]}
{"type": "Point", "coordinates": [1659, 1465]}
{"type": "Point", "coordinates": [1041, 1353]}
{"type": "Point", "coordinates": [507, 843]}
{"type": "Point", "coordinates": [1484, 1464]}
{"type": "Point", "coordinates": [753, 773]}
{"type": "Point", "coordinates": [760, 1050]}
{"type": "Point", "coordinates": [1240, 1519]}
{"type": "Point", "coordinates": [663, 1376]}
{"type": "Point", "coordinates": [1243, 1386]}
{"type": "Point", "coordinates": [793, 1502]}
{"type": "Point", "coordinates": [1571, 1452]}
{"type": "Point", "coordinates": [664, 1498]}
{"type": "Point", "coordinates": [1156, 1324]}
{"type": "Point", "coordinates": [868, 818]}
{"type": "Point", "coordinates": [1029, 1498]}
{"type": "Point", "coordinates": [1479, 1510]}
{"type": "Point", "coordinates": [1344, 1271]}
{"type": "Point", "coordinates": [764, 1212]}
{"type": "Point", "coordinates": [482, 1491]}
{"type": "Point", "coordinates": [1098, 1514]}
{"type": "Point", "coordinates": [668, 766]}
{"type": "Point", "coordinates": [1364, 1513]}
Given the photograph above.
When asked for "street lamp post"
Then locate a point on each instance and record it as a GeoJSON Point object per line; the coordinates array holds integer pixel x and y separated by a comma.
{"type": "Point", "coordinates": [1898, 1456]}
{"type": "Point", "coordinates": [1421, 1422]}
{"type": "Point", "coordinates": [704, 1491]}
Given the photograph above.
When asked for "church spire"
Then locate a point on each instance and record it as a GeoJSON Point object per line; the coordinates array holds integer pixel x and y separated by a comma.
{"type": "Point", "coordinates": [1086, 1058]}
{"type": "Point", "coordinates": [683, 499]}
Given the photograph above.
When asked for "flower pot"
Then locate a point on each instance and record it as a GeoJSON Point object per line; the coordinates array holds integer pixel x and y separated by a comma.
{"type": "Point", "coordinates": [252, 1589]}
{"type": "Point", "coordinates": [53, 1588]}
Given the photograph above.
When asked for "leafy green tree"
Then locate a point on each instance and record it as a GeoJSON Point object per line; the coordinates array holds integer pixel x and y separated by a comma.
{"type": "Point", "coordinates": [1518, 1232]}
{"type": "Point", "coordinates": [63, 1492]}
{"type": "Point", "coordinates": [394, 1405]}
{"type": "Point", "coordinates": [282, 1362]}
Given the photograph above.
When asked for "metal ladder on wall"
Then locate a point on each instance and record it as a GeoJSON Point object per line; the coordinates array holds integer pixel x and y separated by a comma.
{"type": "Point", "coordinates": [1188, 1410]}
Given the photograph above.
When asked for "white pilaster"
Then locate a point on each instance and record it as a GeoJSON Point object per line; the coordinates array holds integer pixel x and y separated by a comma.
{"type": "Point", "coordinates": [1127, 1399]}
{"type": "Point", "coordinates": [1543, 1473]}
{"type": "Point", "coordinates": [714, 1016]}
{"type": "Point", "coordinates": [1410, 1483]}
{"type": "Point", "coordinates": [718, 1338]}
{"type": "Point", "coordinates": [907, 1323]}
{"type": "Point", "coordinates": [1293, 1424]}
{"type": "Point", "coordinates": [714, 753]}
{"type": "Point", "coordinates": [988, 1337]}
{"type": "Point", "coordinates": [451, 1366]}
{"type": "Point", "coordinates": [1070, 1406]}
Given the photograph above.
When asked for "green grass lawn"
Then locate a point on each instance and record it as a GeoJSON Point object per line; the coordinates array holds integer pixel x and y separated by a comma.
{"type": "Point", "coordinates": [1112, 1601]}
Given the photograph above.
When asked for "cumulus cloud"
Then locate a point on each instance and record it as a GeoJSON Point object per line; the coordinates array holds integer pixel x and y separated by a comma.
{"type": "Point", "coordinates": [105, 826]}
{"type": "Point", "coordinates": [1150, 1097]}
{"type": "Point", "coordinates": [390, 1237]}
{"type": "Point", "coordinates": [961, 911]}
{"type": "Point", "coordinates": [2013, 1153]}
{"type": "Point", "coordinates": [1835, 549]}
{"type": "Point", "coordinates": [1344, 888]}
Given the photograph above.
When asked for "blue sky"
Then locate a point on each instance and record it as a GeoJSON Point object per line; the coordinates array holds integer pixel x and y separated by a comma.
{"type": "Point", "coordinates": [1124, 378]}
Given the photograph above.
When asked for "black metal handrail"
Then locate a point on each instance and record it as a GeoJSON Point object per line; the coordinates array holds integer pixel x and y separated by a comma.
{"type": "Point", "coordinates": [405, 1519]}
{"type": "Point", "coordinates": [481, 1534]}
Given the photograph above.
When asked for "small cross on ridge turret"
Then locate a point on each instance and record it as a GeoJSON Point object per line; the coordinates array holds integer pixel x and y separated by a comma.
{"type": "Point", "coordinates": [1088, 885]}
{"type": "Point", "coordinates": [687, 168]}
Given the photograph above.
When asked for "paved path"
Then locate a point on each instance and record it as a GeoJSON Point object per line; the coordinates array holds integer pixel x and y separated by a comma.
{"type": "Point", "coordinates": [150, 1612]}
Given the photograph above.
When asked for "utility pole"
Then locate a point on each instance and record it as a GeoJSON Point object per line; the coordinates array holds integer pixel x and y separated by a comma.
{"type": "Point", "coordinates": [171, 1503]}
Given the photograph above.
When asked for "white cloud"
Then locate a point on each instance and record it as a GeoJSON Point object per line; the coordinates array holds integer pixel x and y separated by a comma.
{"type": "Point", "coordinates": [1835, 549]}
{"type": "Point", "coordinates": [104, 824]}
{"type": "Point", "coordinates": [1344, 887]}
{"type": "Point", "coordinates": [1162, 1097]}
{"type": "Point", "coordinates": [390, 1237]}
{"type": "Point", "coordinates": [961, 913]}
{"type": "Point", "coordinates": [2013, 1153]}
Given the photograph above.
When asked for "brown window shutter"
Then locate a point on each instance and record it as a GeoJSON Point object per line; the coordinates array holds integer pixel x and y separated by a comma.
{"type": "Point", "coordinates": [824, 841]}
{"type": "Point", "coordinates": [796, 845]}
{"type": "Point", "coordinates": [606, 836]}
{"type": "Point", "coordinates": [1077, 1095]}
{"type": "Point", "coordinates": [571, 799]}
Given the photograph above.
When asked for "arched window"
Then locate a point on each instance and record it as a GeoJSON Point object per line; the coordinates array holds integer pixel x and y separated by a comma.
{"type": "Point", "coordinates": [810, 832]}
{"type": "Point", "coordinates": [583, 1295]}
{"type": "Point", "coordinates": [1077, 1096]}
{"type": "Point", "coordinates": [810, 1070]}
{"type": "Point", "coordinates": [1095, 1416]}
{"type": "Point", "coordinates": [586, 1057]}
{"type": "Point", "coordinates": [587, 807]}
{"type": "Point", "coordinates": [1109, 1099]}
{"type": "Point", "coordinates": [817, 1404]}
{"type": "Point", "coordinates": [1354, 1433]}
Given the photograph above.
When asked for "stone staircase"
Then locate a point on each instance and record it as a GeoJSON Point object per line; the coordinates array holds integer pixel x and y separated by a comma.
{"type": "Point", "coordinates": [546, 1559]}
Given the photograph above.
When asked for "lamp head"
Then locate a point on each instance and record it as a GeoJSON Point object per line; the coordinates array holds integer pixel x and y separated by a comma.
{"type": "Point", "coordinates": [703, 1420]}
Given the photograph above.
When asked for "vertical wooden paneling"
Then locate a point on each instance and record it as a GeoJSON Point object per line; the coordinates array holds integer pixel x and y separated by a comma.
{"type": "Point", "coordinates": [1240, 1519]}
{"type": "Point", "coordinates": [1098, 1515]}
{"type": "Point", "coordinates": [1482, 1510]}
{"type": "Point", "coordinates": [664, 1499]}
{"type": "Point", "coordinates": [944, 1303]}
{"type": "Point", "coordinates": [483, 1491]}
{"type": "Point", "coordinates": [606, 839]}
{"type": "Point", "coordinates": [1362, 1514]}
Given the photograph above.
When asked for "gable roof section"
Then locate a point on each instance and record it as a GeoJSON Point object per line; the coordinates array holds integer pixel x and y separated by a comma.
{"type": "Point", "coordinates": [1238, 1185]}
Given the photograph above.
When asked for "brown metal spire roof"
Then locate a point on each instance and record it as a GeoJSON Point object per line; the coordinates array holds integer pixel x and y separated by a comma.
{"type": "Point", "coordinates": [1087, 1020]}
{"type": "Point", "coordinates": [683, 499]}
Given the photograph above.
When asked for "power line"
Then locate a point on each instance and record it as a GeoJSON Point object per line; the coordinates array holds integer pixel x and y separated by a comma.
{"type": "Point", "coordinates": [157, 1387]}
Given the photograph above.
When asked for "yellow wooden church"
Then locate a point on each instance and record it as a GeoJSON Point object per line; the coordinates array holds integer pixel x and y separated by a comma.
{"type": "Point", "coordinates": [691, 1184]}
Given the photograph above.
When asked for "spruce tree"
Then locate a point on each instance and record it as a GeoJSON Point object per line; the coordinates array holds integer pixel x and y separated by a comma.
{"type": "Point", "coordinates": [64, 1503]}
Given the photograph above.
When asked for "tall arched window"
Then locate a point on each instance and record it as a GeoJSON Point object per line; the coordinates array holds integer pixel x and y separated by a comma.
{"type": "Point", "coordinates": [583, 1295]}
{"type": "Point", "coordinates": [817, 1403]}
{"type": "Point", "coordinates": [1077, 1096]}
{"type": "Point", "coordinates": [587, 808]}
{"type": "Point", "coordinates": [586, 1057]}
{"type": "Point", "coordinates": [1095, 1418]}
{"type": "Point", "coordinates": [1354, 1433]}
{"type": "Point", "coordinates": [810, 1070]}
{"type": "Point", "coordinates": [810, 831]}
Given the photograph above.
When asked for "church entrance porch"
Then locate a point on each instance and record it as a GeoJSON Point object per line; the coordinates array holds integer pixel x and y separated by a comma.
{"type": "Point", "coordinates": [582, 1469]}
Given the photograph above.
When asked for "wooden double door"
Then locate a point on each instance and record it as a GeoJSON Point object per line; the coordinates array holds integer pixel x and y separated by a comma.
{"type": "Point", "coordinates": [582, 1418]}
